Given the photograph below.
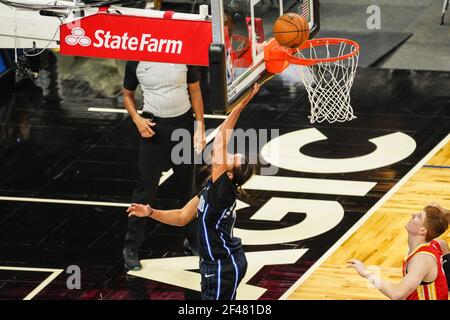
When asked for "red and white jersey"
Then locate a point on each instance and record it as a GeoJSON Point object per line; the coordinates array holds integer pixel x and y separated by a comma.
{"type": "Point", "coordinates": [436, 290]}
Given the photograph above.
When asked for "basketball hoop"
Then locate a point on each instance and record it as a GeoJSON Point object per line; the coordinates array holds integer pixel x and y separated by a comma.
{"type": "Point", "coordinates": [327, 68]}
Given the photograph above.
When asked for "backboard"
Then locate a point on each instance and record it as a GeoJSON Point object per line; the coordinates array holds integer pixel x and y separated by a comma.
{"type": "Point", "coordinates": [243, 27]}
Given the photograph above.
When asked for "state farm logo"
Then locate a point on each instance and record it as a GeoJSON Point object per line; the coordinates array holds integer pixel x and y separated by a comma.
{"type": "Point", "coordinates": [145, 42]}
{"type": "Point", "coordinates": [78, 37]}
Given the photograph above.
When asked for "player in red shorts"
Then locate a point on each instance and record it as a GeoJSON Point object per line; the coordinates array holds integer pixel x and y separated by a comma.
{"type": "Point", "coordinates": [423, 274]}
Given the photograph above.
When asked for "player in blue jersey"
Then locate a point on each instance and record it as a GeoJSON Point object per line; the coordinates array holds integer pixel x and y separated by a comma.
{"type": "Point", "coordinates": [222, 259]}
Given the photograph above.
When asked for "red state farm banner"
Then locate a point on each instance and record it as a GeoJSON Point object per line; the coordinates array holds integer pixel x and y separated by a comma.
{"type": "Point", "coordinates": [138, 38]}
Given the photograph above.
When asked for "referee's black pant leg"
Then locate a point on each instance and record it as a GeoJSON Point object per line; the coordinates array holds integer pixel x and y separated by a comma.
{"type": "Point", "coordinates": [185, 176]}
{"type": "Point", "coordinates": [150, 166]}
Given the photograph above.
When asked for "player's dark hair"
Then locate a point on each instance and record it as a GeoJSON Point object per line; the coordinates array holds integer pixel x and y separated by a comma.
{"type": "Point", "coordinates": [436, 222]}
{"type": "Point", "coordinates": [242, 173]}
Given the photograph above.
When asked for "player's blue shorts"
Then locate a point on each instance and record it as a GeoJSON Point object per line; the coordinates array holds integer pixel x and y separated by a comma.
{"type": "Point", "coordinates": [221, 278]}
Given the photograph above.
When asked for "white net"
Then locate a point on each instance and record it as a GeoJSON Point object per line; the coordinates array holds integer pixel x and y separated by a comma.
{"type": "Point", "coordinates": [329, 83]}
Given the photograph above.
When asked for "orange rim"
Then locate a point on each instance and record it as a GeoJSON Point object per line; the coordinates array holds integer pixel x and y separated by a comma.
{"type": "Point", "coordinates": [318, 43]}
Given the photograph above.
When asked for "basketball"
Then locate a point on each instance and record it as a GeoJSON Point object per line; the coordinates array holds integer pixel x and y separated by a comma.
{"type": "Point", "coordinates": [291, 30]}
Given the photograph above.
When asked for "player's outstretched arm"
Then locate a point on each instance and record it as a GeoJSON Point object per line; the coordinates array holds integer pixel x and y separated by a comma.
{"type": "Point", "coordinates": [176, 217]}
{"type": "Point", "coordinates": [418, 268]}
{"type": "Point", "coordinates": [219, 153]}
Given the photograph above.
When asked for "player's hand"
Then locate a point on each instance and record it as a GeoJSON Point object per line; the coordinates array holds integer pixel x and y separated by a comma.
{"type": "Point", "coordinates": [249, 96]}
{"type": "Point", "coordinates": [359, 267]}
{"type": "Point", "coordinates": [253, 92]}
{"type": "Point", "coordinates": [139, 210]}
{"type": "Point", "coordinates": [199, 136]}
{"type": "Point", "coordinates": [145, 127]}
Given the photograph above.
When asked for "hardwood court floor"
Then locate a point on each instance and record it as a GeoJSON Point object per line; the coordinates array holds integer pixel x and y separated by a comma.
{"type": "Point", "coordinates": [382, 240]}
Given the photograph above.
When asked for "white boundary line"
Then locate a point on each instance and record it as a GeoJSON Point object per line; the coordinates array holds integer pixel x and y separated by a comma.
{"type": "Point", "coordinates": [65, 201]}
{"type": "Point", "coordinates": [54, 273]}
{"type": "Point", "coordinates": [44, 283]}
{"type": "Point", "coordinates": [364, 218]}
{"type": "Point", "coordinates": [112, 110]}
{"type": "Point", "coordinates": [29, 269]}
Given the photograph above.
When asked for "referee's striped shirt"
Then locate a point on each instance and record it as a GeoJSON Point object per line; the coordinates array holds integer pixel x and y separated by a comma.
{"type": "Point", "coordinates": [164, 86]}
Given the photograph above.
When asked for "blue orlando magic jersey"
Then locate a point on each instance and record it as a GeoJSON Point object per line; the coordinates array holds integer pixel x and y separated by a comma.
{"type": "Point", "coordinates": [216, 218]}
